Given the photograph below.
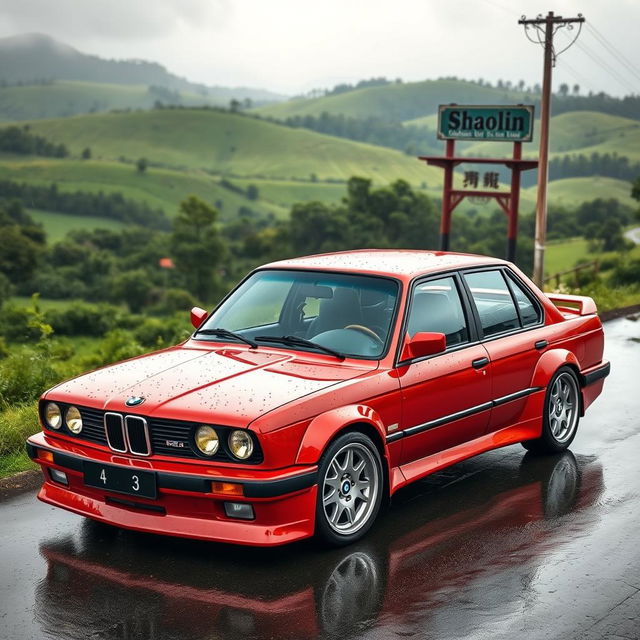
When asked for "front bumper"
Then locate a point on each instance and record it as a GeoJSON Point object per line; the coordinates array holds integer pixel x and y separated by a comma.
{"type": "Point", "coordinates": [186, 506]}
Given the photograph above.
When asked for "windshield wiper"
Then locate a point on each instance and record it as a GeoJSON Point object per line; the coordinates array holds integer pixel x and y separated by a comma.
{"type": "Point", "coordinates": [225, 333]}
{"type": "Point", "coordinates": [300, 342]}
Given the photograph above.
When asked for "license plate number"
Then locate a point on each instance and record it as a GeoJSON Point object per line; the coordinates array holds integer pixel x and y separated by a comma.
{"type": "Point", "coordinates": [133, 482]}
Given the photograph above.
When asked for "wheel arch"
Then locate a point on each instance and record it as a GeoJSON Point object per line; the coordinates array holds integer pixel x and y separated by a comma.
{"type": "Point", "coordinates": [550, 362]}
{"type": "Point", "coordinates": [326, 427]}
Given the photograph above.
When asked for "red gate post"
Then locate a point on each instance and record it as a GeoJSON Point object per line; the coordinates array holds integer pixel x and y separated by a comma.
{"type": "Point", "coordinates": [445, 219]}
{"type": "Point", "coordinates": [514, 202]}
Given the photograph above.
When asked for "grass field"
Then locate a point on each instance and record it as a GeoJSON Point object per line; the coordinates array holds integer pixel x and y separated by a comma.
{"type": "Point", "coordinates": [57, 225]}
{"type": "Point", "coordinates": [159, 188]}
{"type": "Point", "coordinates": [67, 98]}
{"type": "Point", "coordinates": [396, 102]}
{"type": "Point", "coordinates": [229, 144]}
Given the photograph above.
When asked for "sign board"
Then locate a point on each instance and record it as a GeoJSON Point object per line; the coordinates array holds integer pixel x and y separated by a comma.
{"type": "Point", "coordinates": [485, 122]}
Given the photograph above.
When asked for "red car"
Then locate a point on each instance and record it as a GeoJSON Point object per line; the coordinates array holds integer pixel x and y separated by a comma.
{"type": "Point", "coordinates": [315, 390]}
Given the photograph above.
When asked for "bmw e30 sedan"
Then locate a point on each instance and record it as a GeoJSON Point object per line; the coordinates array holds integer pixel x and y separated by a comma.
{"type": "Point", "coordinates": [315, 390]}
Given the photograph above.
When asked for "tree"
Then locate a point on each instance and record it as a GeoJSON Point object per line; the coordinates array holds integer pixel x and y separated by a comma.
{"type": "Point", "coordinates": [196, 247]}
{"type": "Point", "coordinates": [142, 165]}
{"type": "Point", "coordinates": [252, 192]}
{"type": "Point", "coordinates": [131, 287]}
{"type": "Point", "coordinates": [564, 90]}
{"type": "Point", "coordinates": [86, 153]}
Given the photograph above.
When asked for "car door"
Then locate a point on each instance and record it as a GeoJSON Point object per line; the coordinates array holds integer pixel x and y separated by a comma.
{"type": "Point", "coordinates": [511, 323]}
{"type": "Point", "coordinates": [445, 397]}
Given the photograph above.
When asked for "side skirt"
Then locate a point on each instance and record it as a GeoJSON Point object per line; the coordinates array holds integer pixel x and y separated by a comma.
{"type": "Point", "coordinates": [403, 475]}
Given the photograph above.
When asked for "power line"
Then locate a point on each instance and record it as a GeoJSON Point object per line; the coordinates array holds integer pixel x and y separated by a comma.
{"type": "Point", "coordinates": [616, 53]}
{"type": "Point", "coordinates": [606, 67]}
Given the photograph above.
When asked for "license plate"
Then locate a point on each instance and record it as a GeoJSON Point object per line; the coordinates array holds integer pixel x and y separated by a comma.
{"type": "Point", "coordinates": [121, 480]}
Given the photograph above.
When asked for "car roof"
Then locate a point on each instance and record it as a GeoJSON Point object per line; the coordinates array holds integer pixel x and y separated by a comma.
{"type": "Point", "coordinates": [399, 263]}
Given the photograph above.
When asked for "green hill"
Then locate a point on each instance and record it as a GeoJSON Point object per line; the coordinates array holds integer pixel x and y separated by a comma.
{"type": "Point", "coordinates": [576, 132]}
{"type": "Point", "coordinates": [34, 58]}
{"type": "Point", "coordinates": [230, 144]}
{"type": "Point", "coordinates": [396, 102]}
{"type": "Point", "coordinates": [68, 98]}
{"type": "Point", "coordinates": [158, 187]}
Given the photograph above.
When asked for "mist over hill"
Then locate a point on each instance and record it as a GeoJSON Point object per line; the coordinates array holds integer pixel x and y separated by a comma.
{"type": "Point", "coordinates": [38, 58]}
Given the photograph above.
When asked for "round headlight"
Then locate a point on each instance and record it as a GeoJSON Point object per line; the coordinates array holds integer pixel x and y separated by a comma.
{"type": "Point", "coordinates": [241, 444]}
{"type": "Point", "coordinates": [53, 415]}
{"type": "Point", "coordinates": [74, 420]}
{"type": "Point", "coordinates": [207, 440]}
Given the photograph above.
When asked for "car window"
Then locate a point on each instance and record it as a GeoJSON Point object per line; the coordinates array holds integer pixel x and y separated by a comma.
{"type": "Point", "coordinates": [529, 312]}
{"type": "Point", "coordinates": [493, 301]}
{"type": "Point", "coordinates": [262, 303]}
{"type": "Point", "coordinates": [436, 306]}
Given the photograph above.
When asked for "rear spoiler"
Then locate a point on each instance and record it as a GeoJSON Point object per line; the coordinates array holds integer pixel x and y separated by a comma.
{"type": "Point", "coordinates": [579, 305]}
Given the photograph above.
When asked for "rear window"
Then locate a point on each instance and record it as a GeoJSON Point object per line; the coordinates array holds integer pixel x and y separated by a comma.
{"type": "Point", "coordinates": [493, 301]}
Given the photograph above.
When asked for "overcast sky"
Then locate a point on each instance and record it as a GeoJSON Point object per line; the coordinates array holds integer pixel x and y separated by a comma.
{"type": "Point", "coordinates": [292, 46]}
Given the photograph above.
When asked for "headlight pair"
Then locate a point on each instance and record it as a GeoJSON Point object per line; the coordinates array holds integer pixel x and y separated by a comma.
{"type": "Point", "coordinates": [240, 443]}
{"type": "Point", "coordinates": [72, 417]}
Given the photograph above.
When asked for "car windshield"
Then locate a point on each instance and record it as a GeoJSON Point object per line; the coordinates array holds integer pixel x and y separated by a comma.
{"type": "Point", "coordinates": [340, 314]}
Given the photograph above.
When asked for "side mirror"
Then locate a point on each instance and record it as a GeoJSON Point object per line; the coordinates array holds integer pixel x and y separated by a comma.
{"type": "Point", "coordinates": [423, 343]}
{"type": "Point", "coordinates": [198, 316]}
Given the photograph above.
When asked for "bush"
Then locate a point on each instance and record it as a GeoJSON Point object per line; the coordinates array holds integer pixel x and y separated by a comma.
{"type": "Point", "coordinates": [161, 332]}
{"type": "Point", "coordinates": [16, 425]}
{"type": "Point", "coordinates": [22, 324]}
{"type": "Point", "coordinates": [626, 272]}
{"type": "Point", "coordinates": [82, 319]}
{"type": "Point", "coordinates": [25, 374]}
{"type": "Point", "coordinates": [117, 345]}
{"type": "Point", "coordinates": [175, 300]}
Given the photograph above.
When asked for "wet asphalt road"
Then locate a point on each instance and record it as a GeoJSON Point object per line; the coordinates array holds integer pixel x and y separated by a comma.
{"type": "Point", "coordinates": [502, 546]}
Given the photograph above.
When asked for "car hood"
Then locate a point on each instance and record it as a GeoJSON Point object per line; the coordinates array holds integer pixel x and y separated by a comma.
{"type": "Point", "coordinates": [231, 386]}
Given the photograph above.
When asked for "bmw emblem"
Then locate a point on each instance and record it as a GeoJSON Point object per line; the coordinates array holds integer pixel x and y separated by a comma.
{"type": "Point", "coordinates": [134, 401]}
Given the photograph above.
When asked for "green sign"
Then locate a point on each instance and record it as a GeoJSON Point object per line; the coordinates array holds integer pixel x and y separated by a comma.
{"type": "Point", "coordinates": [484, 122]}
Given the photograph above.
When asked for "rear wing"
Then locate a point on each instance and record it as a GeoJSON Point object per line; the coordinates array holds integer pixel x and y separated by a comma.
{"type": "Point", "coordinates": [575, 305]}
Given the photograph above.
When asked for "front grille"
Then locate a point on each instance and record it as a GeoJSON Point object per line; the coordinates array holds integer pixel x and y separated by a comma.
{"type": "Point", "coordinates": [137, 433]}
{"type": "Point", "coordinates": [114, 430]}
{"type": "Point", "coordinates": [144, 436]}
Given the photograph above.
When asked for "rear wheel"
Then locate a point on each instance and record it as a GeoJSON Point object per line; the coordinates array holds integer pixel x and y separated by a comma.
{"type": "Point", "coordinates": [561, 414]}
{"type": "Point", "coordinates": [350, 485]}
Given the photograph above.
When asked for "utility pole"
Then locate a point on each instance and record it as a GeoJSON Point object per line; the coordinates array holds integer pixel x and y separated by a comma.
{"type": "Point", "coordinates": [544, 29]}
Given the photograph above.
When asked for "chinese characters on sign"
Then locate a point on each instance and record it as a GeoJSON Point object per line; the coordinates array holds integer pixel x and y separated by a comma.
{"type": "Point", "coordinates": [490, 179]}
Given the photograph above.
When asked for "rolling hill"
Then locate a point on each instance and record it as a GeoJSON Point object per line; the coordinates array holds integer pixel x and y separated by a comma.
{"type": "Point", "coordinates": [394, 102]}
{"type": "Point", "coordinates": [34, 57]}
{"type": "Point", "coordinates": [230, 144]}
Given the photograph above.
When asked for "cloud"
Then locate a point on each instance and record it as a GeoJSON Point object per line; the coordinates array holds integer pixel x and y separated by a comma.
{"type": "Point", "coordinates": [111, 19]}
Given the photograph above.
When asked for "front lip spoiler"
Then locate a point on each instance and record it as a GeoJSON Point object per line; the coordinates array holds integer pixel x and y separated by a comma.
{"type": "Point", "coordinates": [196, 484]}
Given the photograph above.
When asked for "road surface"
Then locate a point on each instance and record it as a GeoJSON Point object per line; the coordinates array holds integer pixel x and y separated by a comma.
{"type": "Point", "coordinates": [633, 235]}
{"type": "Point", "coordinates": [502, 546]}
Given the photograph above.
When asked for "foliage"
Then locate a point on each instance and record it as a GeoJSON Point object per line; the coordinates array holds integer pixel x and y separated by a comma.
{"type": "Point", "coordinates": [20, 140]}
{"type": "Point", "coordinates": [83, 203]}
{"type": "Point", "coordinates": [197, 247]}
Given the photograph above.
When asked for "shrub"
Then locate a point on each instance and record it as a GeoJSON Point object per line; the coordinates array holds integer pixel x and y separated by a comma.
{"type": "Point", "coordinates": [160, 332]}
{"type": "Point", "coordinates": [82, 319]}
{"type": "Point", "coordinates": [117, 345]}
{"type": "Point", "coordinates": [16, 424]}
{"type": "Point", "coordinates": [626, 272]}
{"type": "Point", "coordinates": [25, 374]}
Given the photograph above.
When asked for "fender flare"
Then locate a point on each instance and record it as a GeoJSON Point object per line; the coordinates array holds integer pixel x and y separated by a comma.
{"type": "Point", "coordinates": [549, 363]}
{"type": "Point", "coordinates": [324, 427]}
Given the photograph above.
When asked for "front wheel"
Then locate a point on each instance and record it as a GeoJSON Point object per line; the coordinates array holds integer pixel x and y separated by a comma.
{"type": "Point", "coordinates": [561, 414]}
{"type": "Point", "coordinates": [350, 485]}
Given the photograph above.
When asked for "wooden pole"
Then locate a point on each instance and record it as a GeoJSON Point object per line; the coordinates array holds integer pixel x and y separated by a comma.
{"type": "Point", "coordinates": [543, 165]}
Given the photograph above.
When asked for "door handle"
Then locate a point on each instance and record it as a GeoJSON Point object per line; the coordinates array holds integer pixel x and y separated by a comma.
{"type": "Point", "coordinates": [541, 344]}
{"type": "Point", "coordinates": [478, 363]}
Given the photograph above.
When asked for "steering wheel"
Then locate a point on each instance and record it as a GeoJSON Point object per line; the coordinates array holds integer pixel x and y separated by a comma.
{"type": "Point", "coordinates": [370, 332]}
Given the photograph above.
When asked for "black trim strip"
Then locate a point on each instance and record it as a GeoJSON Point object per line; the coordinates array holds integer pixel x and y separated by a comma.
{"type": "Point", "coordinates": [432, 424]}
{"type": "Point", "coordinates": [595, 375]}
{"type": "Point", "coordinates": [515, 396]}
{"type": "Point", "coordinates": [135, 505]}
{"type": "Point", "coordinates": [198, 484]}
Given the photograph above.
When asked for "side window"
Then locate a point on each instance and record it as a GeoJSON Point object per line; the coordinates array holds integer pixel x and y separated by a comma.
{"type": "Point", "coordinates": [436, 306]}
{"type": "Point", "coordinates": [493, 301]}
{"type": "Point", "coordinates": [529, 312]}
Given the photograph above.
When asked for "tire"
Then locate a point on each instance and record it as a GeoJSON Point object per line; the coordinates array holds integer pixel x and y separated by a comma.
{"type": "Point", "coordinates": [561, 414]}
{"type": "Point", "coordinates": [350, 487]}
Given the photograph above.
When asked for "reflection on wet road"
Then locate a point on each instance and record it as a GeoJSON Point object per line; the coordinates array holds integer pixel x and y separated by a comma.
{"type": "Point", "coordinates": [500, 546]}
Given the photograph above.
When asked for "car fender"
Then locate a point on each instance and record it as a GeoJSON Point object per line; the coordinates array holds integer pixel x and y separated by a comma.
{"type": "Point", "coordinates": [324, 427]}
{"type": "Point", "coordinates": [549, 363]}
